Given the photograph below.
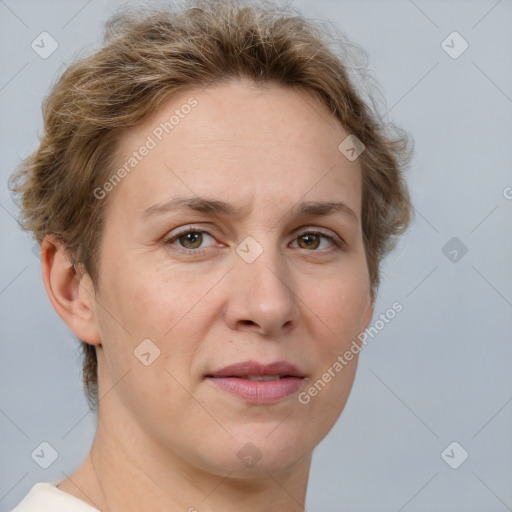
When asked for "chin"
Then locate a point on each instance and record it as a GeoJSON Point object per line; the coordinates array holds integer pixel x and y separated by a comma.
{"type": "Point", "coordinates": [257, 450]}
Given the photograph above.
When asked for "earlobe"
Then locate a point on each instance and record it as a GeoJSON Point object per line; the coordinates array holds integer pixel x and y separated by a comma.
{"type": "Point", "coordinates": [70, 292]}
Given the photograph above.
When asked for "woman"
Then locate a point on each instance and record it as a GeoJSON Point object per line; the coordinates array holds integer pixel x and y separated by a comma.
{"type": "Point", "coordinates": [213, 199]}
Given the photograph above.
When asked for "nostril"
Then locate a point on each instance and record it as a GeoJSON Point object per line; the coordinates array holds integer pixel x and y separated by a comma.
{"type": "Point", "coordinates": [248, 322]}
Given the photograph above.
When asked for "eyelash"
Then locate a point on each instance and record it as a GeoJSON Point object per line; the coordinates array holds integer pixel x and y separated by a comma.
{"type": "Point", "coordinates": [337, 244]}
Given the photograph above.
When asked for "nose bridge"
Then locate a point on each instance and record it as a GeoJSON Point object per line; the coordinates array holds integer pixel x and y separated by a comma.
{"type": "Point", "coordinates": [263, 294]}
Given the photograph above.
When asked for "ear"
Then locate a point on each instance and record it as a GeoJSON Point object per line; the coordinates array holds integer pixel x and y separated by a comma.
{"type": "Point", "coordinates": [71, 292]}
{"type": "Point", "coordinates": [369, 312]}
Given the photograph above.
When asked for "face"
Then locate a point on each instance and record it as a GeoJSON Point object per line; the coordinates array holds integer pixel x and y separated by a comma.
{"type": "Point", "coordinates": [234, 248]}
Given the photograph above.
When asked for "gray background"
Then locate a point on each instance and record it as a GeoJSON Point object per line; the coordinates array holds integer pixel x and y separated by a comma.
{"type": "Point", "coordinates": [439, 372]}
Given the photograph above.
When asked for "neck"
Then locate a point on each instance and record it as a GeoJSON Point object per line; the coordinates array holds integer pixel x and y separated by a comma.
{"type": "Point", "coordinates": [128, 471]}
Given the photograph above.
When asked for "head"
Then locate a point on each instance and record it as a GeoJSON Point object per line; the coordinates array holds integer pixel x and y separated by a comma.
{"type": "Point", "coordinates": [192, 186]}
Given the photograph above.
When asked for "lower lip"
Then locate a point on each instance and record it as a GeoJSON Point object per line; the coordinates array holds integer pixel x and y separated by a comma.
{"type": "Point", "coordinates": [258, 391]}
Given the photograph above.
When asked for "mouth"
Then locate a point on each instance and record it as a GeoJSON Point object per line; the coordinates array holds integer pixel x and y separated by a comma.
{"type": "Point", "coordinates": [257, 383]}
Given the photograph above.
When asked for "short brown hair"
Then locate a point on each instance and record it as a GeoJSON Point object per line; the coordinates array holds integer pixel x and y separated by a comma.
{"type": "Point", "coordinates": [149, 56]}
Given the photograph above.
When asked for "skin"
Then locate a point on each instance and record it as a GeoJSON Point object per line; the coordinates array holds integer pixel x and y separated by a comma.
{"type": "Point", "coordinates": [167, 439]}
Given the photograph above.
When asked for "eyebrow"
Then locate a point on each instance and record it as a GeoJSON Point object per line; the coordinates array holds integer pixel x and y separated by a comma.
{"type": "Point", "coordinates": [205, 205]}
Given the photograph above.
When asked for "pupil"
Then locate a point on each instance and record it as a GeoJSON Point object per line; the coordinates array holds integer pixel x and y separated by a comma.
{"type": "Point", "coordinates": [191, 239]}
{"type": "Point", "coordinates": [310, 240]}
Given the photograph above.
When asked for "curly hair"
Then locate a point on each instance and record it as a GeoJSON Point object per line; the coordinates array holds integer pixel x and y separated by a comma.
{"type": "Point", "coordinates": [147, 56]}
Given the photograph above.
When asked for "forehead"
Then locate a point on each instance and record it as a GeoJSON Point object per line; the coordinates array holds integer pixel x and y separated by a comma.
{"type": "Point", "coordinates": [240, 141]}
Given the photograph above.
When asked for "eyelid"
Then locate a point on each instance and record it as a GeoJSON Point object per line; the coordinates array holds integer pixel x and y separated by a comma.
{"type": "Point", "coordinates": [175, 234]}
{"type": "Point", "coordinates": [314, 230]}
{"type": "Point", "coordinates": [333, 237]}
{"type": "Point", "coordinates": [329, 233]}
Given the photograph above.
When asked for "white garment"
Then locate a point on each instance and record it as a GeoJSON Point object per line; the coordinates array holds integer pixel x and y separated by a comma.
{"type": "Point", "coordinates": [45, 497]}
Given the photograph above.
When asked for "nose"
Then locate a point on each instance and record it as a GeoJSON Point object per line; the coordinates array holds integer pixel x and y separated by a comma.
{"type": "Point", "coordinates": [261, 296]}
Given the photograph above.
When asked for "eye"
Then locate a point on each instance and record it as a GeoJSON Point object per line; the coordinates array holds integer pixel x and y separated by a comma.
{"type": "Point", "coordinates": [312, 240]}
{"type": "Point", "coordinates": [191, 239]}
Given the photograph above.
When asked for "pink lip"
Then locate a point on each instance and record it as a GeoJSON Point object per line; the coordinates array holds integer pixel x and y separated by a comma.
{"type": "Point", "coordinates": [233, 379]}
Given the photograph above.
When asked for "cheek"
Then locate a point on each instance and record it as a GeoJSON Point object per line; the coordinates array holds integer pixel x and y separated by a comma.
{"type": "Point", "coordinates": [340, 304]}
{"type": "Point", "coordinates": [149, 300]}
{"type": "Point", "coordinates": [144, 311]}
{"type": "Point", "coordinates": [339, 313]}
{"type": "Point", "coordinates": [171, 307]}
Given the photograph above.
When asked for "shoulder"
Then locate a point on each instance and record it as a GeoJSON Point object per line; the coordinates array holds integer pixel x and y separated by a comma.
{"type": "Point", "coordinates": [45, 497]}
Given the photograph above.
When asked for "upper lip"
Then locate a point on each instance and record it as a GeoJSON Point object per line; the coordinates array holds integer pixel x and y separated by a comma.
{"type": "Point", "coordinates": [255, 369]}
